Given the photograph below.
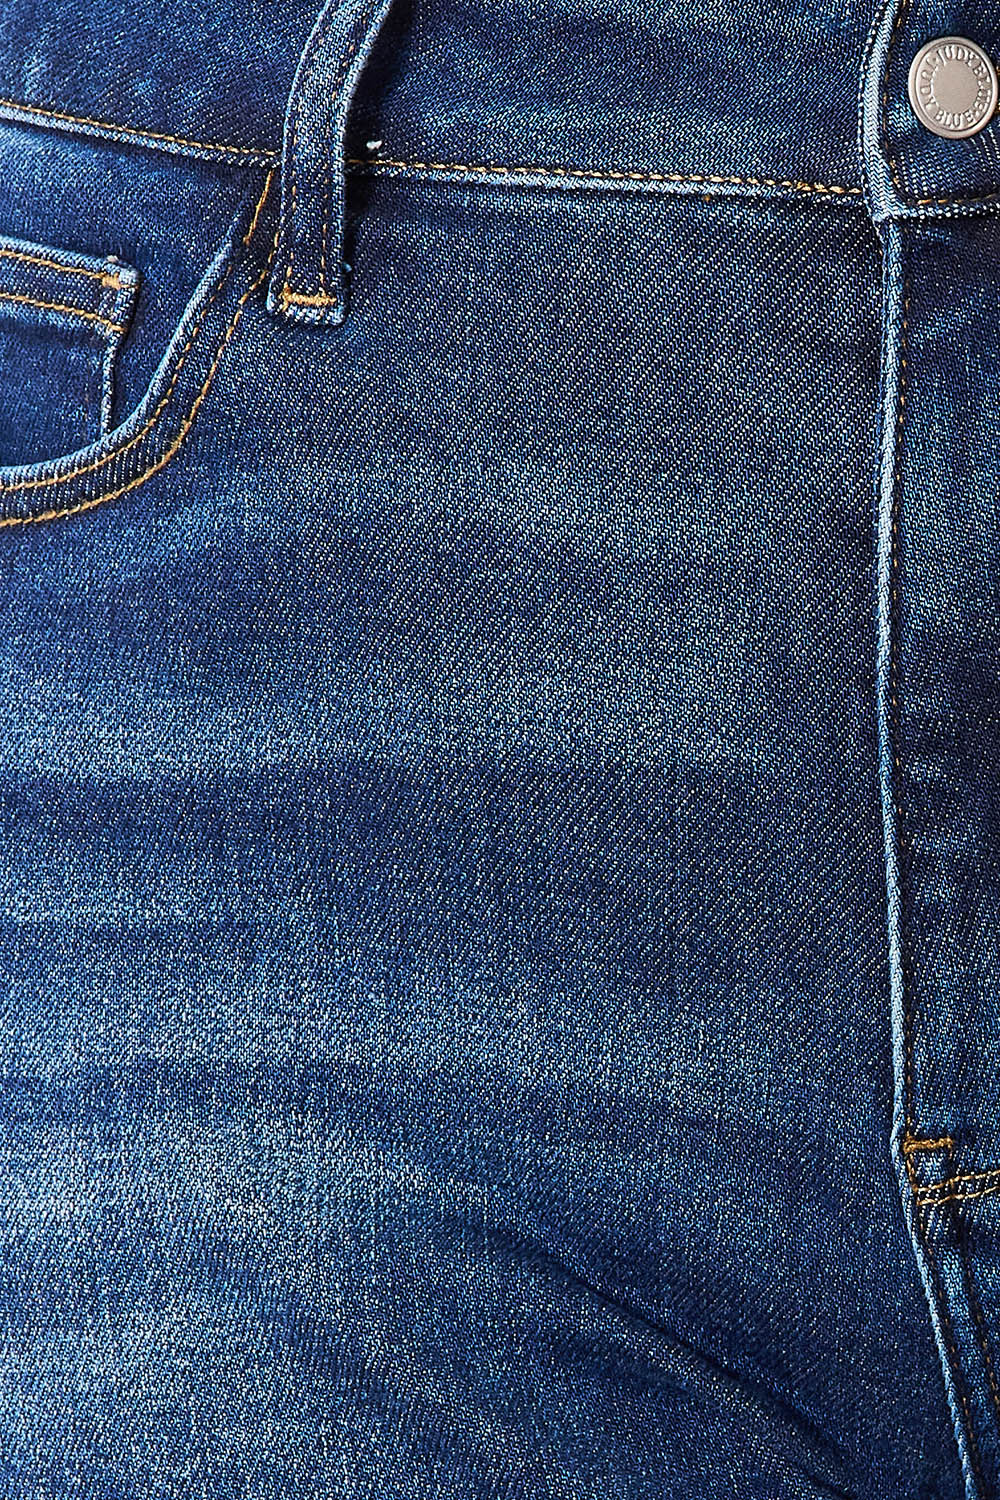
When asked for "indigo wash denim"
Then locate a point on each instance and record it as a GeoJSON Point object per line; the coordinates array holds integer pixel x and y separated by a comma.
{"type": "Point", "coordinates": [500, 706]}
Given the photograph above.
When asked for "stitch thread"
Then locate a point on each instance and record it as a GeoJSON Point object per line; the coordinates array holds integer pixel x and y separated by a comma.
{"type": "Point", "coordinates": [600, 175]}
{"type": "Point", "coordinates": [336, 87]}
{"type": "Point", "coordinates": [307, 62]}
{"type": "Point", "coordinates": [957, 1197]}
{"type": "Point", "coordinates": [944, 1143]}
{"type": "Point", "coordinates": [950, 1182]}
{"type": "Point", "coordinates": [977, 1318]}
{"type": "Point", "coordinates": [957, 200]}
{"type": "Point", "coordinates": [973, 198]}
{"type": "Point", "coordinates": [77, 312]}
{"type": "Point", "coordinates": [268, 154]}
{"type": "Point", "coordinates": [166, 456]}
{"type": "Point", "coordinates": [260, 206]}
{"type": "Point", "coordinates": [973, 1300]}
{"type": "Point", "coordinates": [286, 295]}
{"type": "Point", "coordinates": [300, 299]}
{"type": "Point", "coordinates": [104, 277]}
{"type": "Point", "coordinates": [897, 27]}
{"type": "Point", "coordinates": [99, 463]}
{"type": "Point", "coordinates": [48, 480]}
{"type": "Point", "coordinates": [150, 135]}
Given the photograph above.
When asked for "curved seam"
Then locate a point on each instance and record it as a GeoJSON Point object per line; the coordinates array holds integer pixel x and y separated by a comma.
{"type": "Point", "coordinates": [972, 1297]}
{"type": "Point", "coordinates": [168, 454]}
{"type": "Point", "coordinates": [48, 480]}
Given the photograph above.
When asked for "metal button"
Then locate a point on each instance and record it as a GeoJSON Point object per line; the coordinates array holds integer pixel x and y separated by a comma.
{"type": "Point", "coordinates": [953, 87]}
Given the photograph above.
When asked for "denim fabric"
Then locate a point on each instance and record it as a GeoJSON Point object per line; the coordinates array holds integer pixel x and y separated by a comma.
{"type": "Point", "coordinates": [499, 582]}
{"type": "Point", "coordinates": [62, 318]}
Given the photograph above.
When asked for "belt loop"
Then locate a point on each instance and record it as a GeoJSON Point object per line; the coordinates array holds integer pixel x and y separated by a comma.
{"type": "Point", "coordinates": [307, 280]}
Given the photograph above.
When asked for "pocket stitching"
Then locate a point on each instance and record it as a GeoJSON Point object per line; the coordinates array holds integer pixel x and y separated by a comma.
{"type": "Point", "coordinates": [168, 454]}
{"type": "Point", "coordinates": [48, 480]}
{"type": "Point", "coordinates": [104, 277]}
{"type": "Point", "coordinates": [62, 307]}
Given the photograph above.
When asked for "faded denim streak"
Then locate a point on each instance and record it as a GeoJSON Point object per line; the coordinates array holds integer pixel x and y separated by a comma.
{"type": "Point", "coordinates": [499, 887]}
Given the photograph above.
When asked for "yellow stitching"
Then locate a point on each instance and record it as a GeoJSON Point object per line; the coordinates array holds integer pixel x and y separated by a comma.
{"type": "Point", "coordinates": [104, 277]}
{"type": "Point", "coordinates": [975, 1308]}
{"type": "Point", "coordinates": [164, 459]}
{"type": "Point", "coordinates": [286, 295]}
{"type": "Point", "coordinates": [956, 1197]}
{"type": "Point", "coordinates": [321, 299]}
{"type": "Point", "coordinates": [149, 135]}
{"type": "Point", "coordinates": [99, 463]}
{"type": "Point", "coordinates": [835, 189]}
{"type": "Point", "coordinates": [50, 479]}
{"type": "Point", "coordinates": [944, 1143]}
{"type": "Point", "coordinates": [62, 307]}
{"type": "Point", "coordinates": [494, 168]}
{"type": "Point", "coordinates": [950, 1182]}
{"type": "Point", "coordinates": [260, 206]}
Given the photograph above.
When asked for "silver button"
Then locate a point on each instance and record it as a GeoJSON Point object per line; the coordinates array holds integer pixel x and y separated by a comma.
{"type": "Point", "coordinates": [953, 87]}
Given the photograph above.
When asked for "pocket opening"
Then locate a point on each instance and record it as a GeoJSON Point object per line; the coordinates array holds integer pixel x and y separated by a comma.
{"type": "Point", "coordinates": [62, 319]}
{"type": "Point", "coordinates": [150, 434]}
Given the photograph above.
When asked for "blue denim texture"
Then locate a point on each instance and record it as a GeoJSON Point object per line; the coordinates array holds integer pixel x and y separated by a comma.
{"type": "Point", "coordinates": [499, 893]}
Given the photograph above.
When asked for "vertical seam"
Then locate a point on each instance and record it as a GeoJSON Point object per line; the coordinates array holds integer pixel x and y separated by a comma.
{"type": "Point", "coordinates": [977, 1314]}
{"type": "Point", "coordinates": [108, 306]}
{"type": "Point", "coordinates": [895, 744]}
{"type": "Point", "coordinates": [890, 154]}
{"type": "Point", "coordinates": [894, 726]}
{"type": "Point", "coordinates": [975, 1458]}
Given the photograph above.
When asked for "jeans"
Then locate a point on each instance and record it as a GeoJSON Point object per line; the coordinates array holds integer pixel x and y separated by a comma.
{"type": "Point", "coordinates": [500, 662]}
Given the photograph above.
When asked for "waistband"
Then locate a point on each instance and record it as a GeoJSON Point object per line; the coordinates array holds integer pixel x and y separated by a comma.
{"type": "Point", "coordinates": [807, 98]}
{"type": "Point", "coordinates": [755, 90]}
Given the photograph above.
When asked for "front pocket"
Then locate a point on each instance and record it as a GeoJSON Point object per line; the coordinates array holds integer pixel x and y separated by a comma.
{"type": "Point", "coordinates": [62, 318]}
